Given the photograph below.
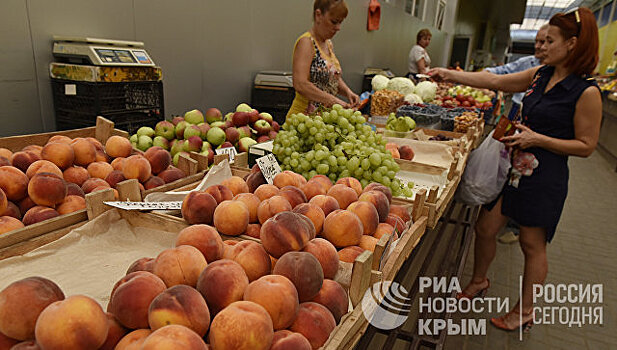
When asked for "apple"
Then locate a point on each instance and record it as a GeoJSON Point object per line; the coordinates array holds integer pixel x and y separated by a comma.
{"type": "Point", "coordinates": [175, 120]}
{"type": "Point", "coordinates": [219, 124]}
{"type": "Point", "coordinates": [263, 138]}
{"type": "Point", "coordinates": [213, 115]}
{"type": "Point", "coordinates": [253, 116]}
{"type": "Point", "coordinates": [244, 131]}
{"type": "Point", "coordinates": [226, 144]}
{"type": "Point", "coordinates": [192, 130]}
{"type": "Point", "coordinates": [272, 134]}
{"type": "Point", "coordinates": [208, 153]}
{"type": "Point", "coordinates": [193, 144]}
{"type": "Point", "coordinates": [243, 107]}
{"type": "Point", "coordinates": [266, 116]}
{"type": "Point", "coordinates": [180, 129]}
{"type": "Point", "coordinates": [245, 143]}
{"type": "Point", "coordinates": [228, 124]}
{"type": "Point", "coordinates": [177, 147]}
{"type": "Point", "coordinates": [134, 138]}
{"type": "Point", "coordinates": [228, 116]}
{"type": "Point", "coordinates": [262, 127]}
{"type": "Point", "coordinates": [275, 126]}
{"type": "Point", "coordinates": [145, 131]}
{"type": "Point", "coordinates": [161, 142]}
{"type": "Point", "coordinates": [194, 116]}
{"type": "Point", "coordinates": [206, 146]}
{"type": "Point", "coordinates": [240, 118]}
{"type": "Point", "coordinates": [203, 128]}
{"type": "Point", "coordinates": [165, 129]}
{"type": "Point", "coordinates": [144, 142]}
{"type": "Point", "coordinates": [216, 136]}
{"type": "Point", "coordinates": [232, 135]}
{"type": "Point", "coordinates": [177, 156]}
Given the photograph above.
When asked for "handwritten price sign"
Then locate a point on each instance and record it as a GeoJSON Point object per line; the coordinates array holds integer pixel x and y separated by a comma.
{"type": "Point", "coordinates": [269, 167]}
{"type": "Point", "coordinates": [231, 151]}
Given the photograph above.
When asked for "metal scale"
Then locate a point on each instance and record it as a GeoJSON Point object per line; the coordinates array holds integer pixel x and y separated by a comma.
{"type": "Point", "coordinates": [100, 52]}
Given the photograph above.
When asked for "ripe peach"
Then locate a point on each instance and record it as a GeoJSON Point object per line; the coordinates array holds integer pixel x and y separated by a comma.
{"type": "Point", "coordinates": [220, 193]}
{"type": "Point", "coordinates": [85, 152]}
{"type": "Point", "coordinates": [153, 182]}
{"type": "Point", "coordinates": [74, 190]}
{"type": "Point", "coordinates": [71, 204]}
{"type": "Point", "coordinates": [375, 186]}
{"type": "Point", "coordinates": [315, 322]}
{"type": "Point", "coordinates": [23, 159]}
{"type": "Point", "coordinates": [288, 340]}
{"type": "Point", "coordinates": [254, 180]}
{"type": "Point", "coordinates": [92, 183]}
{"type": "Point", "coordinates": [47, 189]}
{"type": "Point", "coordinates": [252, 257]}
{"type": "Point", "coordinates": [159, 159]}
{"type": "Point", "coordinates": [334, 297]}
{"type": "Point", "coordinates": [4, 161]}
{"type": "Point", "coordinates": [114, 178]}
{"type": "Point", "coordinates": [26, 204]}
{"type": "Point", "coordinates": [401, 211]}
{"type": "Point", "coordinates": [77, 175]}
{"type": "Point", "coordinates": [181, 305]}
{"type": "Point", "coordinates": [38, 214]}
{"type": "Point", "coordinates": [59, 153]}
{"type": "Point", "coordinates": [60, 138]}
{"type": "Point", "coordinates": [252, 203]}
{"type": "Point", "coordinates": [142, 264]}
{"type": "Point", "coordinates": [13, 182]}
{"type": "Point", "coordinates": [116, 332]}
{"type": "Point", "coordinates": [132, 295]}
{"type": "Point", "coordinates": [96, 143]}
{"type": "Point", "coordinates": [288, 178]}
{"type": "Point", "coordinates": [271, 206]}
{"type": "Point", "coordinates": [198, 208]}
{"type": "Point", "coordinates": [294, 195]}
{"type": "Point", "coordinates": [326, 254]}
{"type": "Point", "coordinates": [21, 303]}
{"type": "Point", "coordinates": [324, 181]}
{"type": "Point", "coordinates": [43, 166]}
{"type": "Point", "coordinates": [352, 183]}
{"type": "Point", "coordinates": [173, 337]}
{"type": "Point", "coordinates": [349, 254]}
{"type": "Point", "coordinates": [99, 169]}
{"type": "Point", "coordinates": [326, 203]}
{"type": "Point", "coordinates": [101, 156]}
{"type": "Point", "coordinates": [285, 232]}
{"type": "Point", "coordinates": [78, 322]}
{"type": "Point", "coordinates": [24, 345]}
{"type": "Point", "coordinates": [314, 213]}
{"type": "Point", "coordinates": [231, 217]}
{"type": "Point", "coordinates": [136, 167]}
{"type": "Point", "coordinates": [5, 152]}
{"type": "Point", "coordinates": [395, 222]}
{"type": "Point", "coordinates": [382, 229]}
{"type": "Point", "coordinates": [367, 214]}
{"type": "Point", "coordinates": [171, 174]}
{"type": "Point", "coordinates": [344, 195]}
{"type": "Point", "coordinates": [11, 209]}
{"type": "Point", "coordinates": [266, 191]}
{"type": "Point", "coordinates": [242, 325]}
{"type": "Point", "coordinates": [34, 149]}
{"type": "Point", "coordinates": [312, 189]}
{"type": "Point", "coordinates": [4, 203]}
{"type": "Point", "coordinates": [118, 146]}
{"type": "Point", "coordinates": [133, 340]}
{"type": "Point", "coordinates": [9, 223]}
{"type": "Point", "coordinates": [253, 230]}
{"type": "Point", "coordinates": [278, 296]}
{"type": "Point", "coordinates": [303, 270]}
{"type": "Point", "coordinates": [236, 184]}
{"type": "Point", "coordinates": [342, 228]}
{"type": "Point", "coordinates": [368, 242]}
{"type": "Point", "coordinates": [379, 200]}
{"type": "Point", "coordinates": [117, 163]}
{"type": "Point", "coordinates": [222, 283]}
{"type": "Point", "coordinates": [205, 238]}
{"type": "Point", "coordinates": [179, 265]}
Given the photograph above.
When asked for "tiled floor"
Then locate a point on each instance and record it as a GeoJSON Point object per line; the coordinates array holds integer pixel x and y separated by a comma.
{"type": "Point", "coordinates": [584, 250]}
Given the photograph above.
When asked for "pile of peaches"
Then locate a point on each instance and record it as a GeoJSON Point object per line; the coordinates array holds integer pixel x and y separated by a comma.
{"type": "Point", "coordinates": [42, 182]}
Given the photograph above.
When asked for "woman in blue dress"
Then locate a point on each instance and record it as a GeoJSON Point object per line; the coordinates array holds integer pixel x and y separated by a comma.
{"type": "Point", "coordinates": [561, 116]}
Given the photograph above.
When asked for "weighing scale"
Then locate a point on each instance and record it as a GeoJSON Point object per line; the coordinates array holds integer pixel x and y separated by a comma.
{"type": "Point", "coordinates": [101, 52]}
{"type": "Point", "coordinates": [274, 78]}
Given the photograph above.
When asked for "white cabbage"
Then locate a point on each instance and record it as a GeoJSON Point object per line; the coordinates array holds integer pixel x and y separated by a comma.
{"type": "Point", "coordinates": [402, 85]}
{"type": "Point", "coordinates": [426, 90]}
{"type": "Point", "coordinates": [379, 82]}
{"type": "Point", "coordinates": [413, 99]}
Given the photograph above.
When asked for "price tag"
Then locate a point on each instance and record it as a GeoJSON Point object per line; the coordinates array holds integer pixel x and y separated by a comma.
{"type": "Point", "coordinates": [146, 205]}
{"type": "Point", "coordinates": [231, 151]}
{"type": "Point", "coordinates": [269, 167]}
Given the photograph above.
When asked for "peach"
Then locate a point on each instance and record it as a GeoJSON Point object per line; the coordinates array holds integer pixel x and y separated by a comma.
{"type": "Point", "coordinates": [266, 191]}
{"type": "Point", "coordinates": [344, 195]}
{"type": "Point", "coordinates": [180, 265]}
{"type": "Point", "coordinates": [379, 200]}
{"type": "Point", "coordinates": [78, 322]}
{"type": "Point", "coordinates": [326, 254]}
{"type": "Point", "coordinates": [47, 189]}
{"type": "Point", "coordinates": [171, 175]}
{"type": "Point", "coordinates": [368, 242]}
{"type": "Point", "coordinates": [9, 223]}
{"type": "Point", "coordinates": [382, 229]}
{"type": "Point", "coordinates": [342, 228]}
{"type": "Point", "coordinates": [173, 337]}
{"type": "Point", "coordinates": [252, 257]}
{"type": "Point", "coordinates": [36, 149]}
{"type": "Point", "coordinates": [220, 193]}
{"type": "Point", "coordinates": [315, 322]}
{"type": "Point", "coordinates": [153, 182]}
{"type": "Point", "coordinates": [38, 214]}
{"type": "Point", "coordinates": [312, 189]}
{"type": "Point", "coordinates": [222, 283]}
{"type": "Point", "coordinates": [287, 178]}
{"type": "Point", "coordinates": [13, 182]}
{"type": "Point", "coordinates": [395, 222]}
{"type": "Point", "coordinates": [59, 153]}
{"type": "Point", "coordinates": [74, 190]}
{"type": "Point", "coordinates": [278, 296]}
{"type": "Point", "coordinates": [117, 163]}
{"type": "Point", "coordinates": [141, 264]}
{"type": "Point", "coordinates": [71, 204]}
{"type": "Point", "coordinates": [324, 181]}
{"type": "Point", "coordinates": [43, 166]}
{"type": "Point", "coordinates": [272, 206]}
{"type": "Point", "coordinates": [334, 297]}
{"type": "Point", "coordinates": [101, 156]}
{"type": "Point", "coordinates": [352, 183]}
{"type": "Point", "coordinates": [24, 345]}
{"type": "Point", "coordinates": [236, 184]}
{"type": "Point", "coordinates": [252, 203]}
{"type": "Point", "coordinates": [85, 152]}
{"type": "Point", "coordinates": [136, 167]}
{"type": "Point", "coordinates": [401, 211]}
{"type": "Point", "coordinates": [326, 203]}
{"type": "Point", "coordinates": [314, 213]}
{"type": "Point", "coordinates": [116, 332]}
{"type": "Point", "coordinates": [11, 210]}
{"type": "Point", "coordinates": [6, 153]}
{"type": "Point", "coordinates": [131, 297]}
{"type": "Point", "coordinates": [4, 203]}
{"type": "Point", "coordinates": [92, 183]}
{"type": "Point", "coordinates": [349, 254]}
{"type": "Point", "coordinates": [133, 340]}
{"type": "Point", "coordinates": [60, 138]}
{"type": "Point", "coordinates": [114, 178]}
{"type": "Point", "coordinates": [375, 186]}
{"type": "Point", "coordinates": [23, 159]}
{"type": "Point", "coordinates": [288, 340]}
{"type": "Point", "coordinates": [77, 175]}
{"type": "Point", "coordinates": [99, 169]}
{"type": "Point", "coordinates": [21, 303]}
{"type": "Point", "coordinates": [96, 143]}
{"type": "Point", "coordinates": [367, 214]}
{"type": "Point", "coordinates": [243, 325]}
{"type": "Point", "coordinates": [231, 217]}
{"type": "Point", "coordinates": [203, 237]}
{"type": "Point", "coordinates": [253, 230]}
{"type": "Point", "coordinates": [293, 195]}
{"type": "Point", "coordinates": [159, 159]}
{"type": "Point", "coordinates": [198, 208]}
{"type": "Point", "coordinates": [303, 270]}
{"type": "Point", "coordinates": [26, 204]}
{"type": "Point", "coordinates": [4, 161]}
{"type": "Point", "coordinates": [254, 180]}
{"type": "Point", "coordinates": [118, 146]}
{"type": "Point", "coordinates": [285, 232]}
{"type": "Point", "coordinates": [181, 305]}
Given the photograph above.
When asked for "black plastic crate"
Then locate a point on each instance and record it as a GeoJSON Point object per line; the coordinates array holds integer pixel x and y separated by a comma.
{"type": "Point", "coordinates": [273, 99]}
{"type": "Point", "coordinates": [128, 121]}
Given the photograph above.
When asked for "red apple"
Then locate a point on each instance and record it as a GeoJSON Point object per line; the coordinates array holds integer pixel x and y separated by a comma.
{"type": "Point", "coordinates": [232, 135]}
{"type": "Point", "coordinates": [213, 115]}
{"type": "Point", "coordinates": [262, 127]}
{"type": "Point", "coordinates": [240, 118]}
{"type": "Point", "coordinates": [275, 126]}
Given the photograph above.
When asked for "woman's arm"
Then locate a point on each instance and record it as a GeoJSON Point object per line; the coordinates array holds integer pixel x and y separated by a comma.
{"type": "Point", "coordinates": [302, 59]}
{"type": "Point", "coordinates": [344, 90]}
{"type": "Point", "coordinates": [587, 120]}
{"type": "Point", "coordinates": [421, 65]}
{"type": "Point", "coordinates": [515, 82]}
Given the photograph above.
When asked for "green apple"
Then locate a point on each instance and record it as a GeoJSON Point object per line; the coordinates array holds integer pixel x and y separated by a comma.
{"type": "Point", "coordinates": [245, 143]}
{"type": "Point", "coordinates": [218, 124]}
{"type": "Point", "coordinates": [216, 136]}
{"type": "Point", "coordinates": [166, 129]}
{"type": "Point", "coordinates": [243, 107]}
{"type": "Point", "coordinates": [145, 131]}
{"type": "Point", "coordinates": [205, 146]}
{"type": "Point", "coordinates": [161, 141]}
{"type": "Point", "coordinates": [144, 142]}
{"type": "Point", "coordinates": [194, 116]}
{"type": "Point", "coordinates": [134, 138]}
{"type": "Point", "coordinates": [228, 116]}
{"type": "Point", "coordinates": [177, 147]}
{"type": "Point", "coordinates": [192, 130]}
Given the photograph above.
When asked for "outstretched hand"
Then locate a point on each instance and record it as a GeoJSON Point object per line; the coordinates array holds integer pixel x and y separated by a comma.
{"type": "Point", "coordinates": [439, 74]}
{"type": "Point", "coordinates": [526, 138]}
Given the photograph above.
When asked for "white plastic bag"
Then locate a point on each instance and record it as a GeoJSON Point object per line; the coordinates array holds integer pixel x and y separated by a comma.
{"type": "Point", "coordinates": [485, 174]}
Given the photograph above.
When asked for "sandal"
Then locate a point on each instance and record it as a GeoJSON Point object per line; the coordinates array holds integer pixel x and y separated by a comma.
{"type": "Point", "coordinates": [479, 294]}
{"type": "Point", "coordinates": [526, 318]}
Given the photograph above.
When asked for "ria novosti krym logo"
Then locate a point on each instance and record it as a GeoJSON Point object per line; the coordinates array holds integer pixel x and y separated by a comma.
{"type": "Point", "coordinates": [386, 305]}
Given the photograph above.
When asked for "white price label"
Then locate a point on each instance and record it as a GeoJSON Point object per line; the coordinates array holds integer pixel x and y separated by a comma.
{"type": "Point", "coordinates": [269, 167]}
{"type": "Point", "coordinates": [70, 89]}
{"type": "Point", "coordinates": [231, 151]}
{"type": "Point", "coordinates": [146, 205]}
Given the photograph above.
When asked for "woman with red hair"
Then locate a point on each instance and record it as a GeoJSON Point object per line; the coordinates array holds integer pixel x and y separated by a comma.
{"type": "Point", "coordinates": [561, 116]}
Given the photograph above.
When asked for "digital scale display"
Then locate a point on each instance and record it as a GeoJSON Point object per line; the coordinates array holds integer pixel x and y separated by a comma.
{"type": "Point", "coordinates": [115, 56]}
